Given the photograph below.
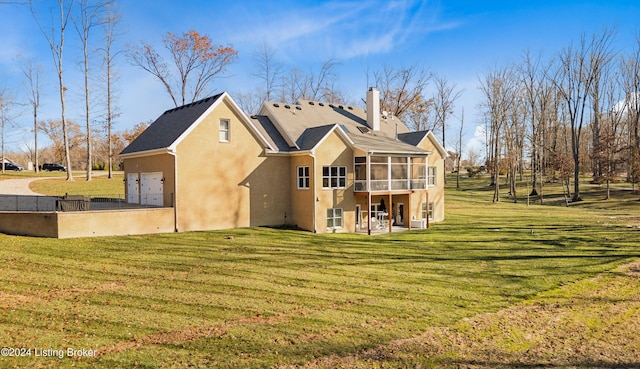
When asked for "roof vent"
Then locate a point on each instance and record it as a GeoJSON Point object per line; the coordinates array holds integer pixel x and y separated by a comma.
{"type": "Point", "coordinates": [276, 105]}
{"type": "Point", "coordinates": [287, 106]}
{"type": "Point", "coordinates": [254, 117]}
{"type": "Point", "coordinates": [311, 103]}
{"type": "Point", "coordinates": [364, 129]}
{"type": "Point", "coordinates": [341, 107]}
{"type": "Point", "coordinates": [321, 104]}
{"type": "Point", "coordinates": [350, 107]}
{"type": "Point", "coordinates": [298, 107]}
{"type": "Point", "coordinates": [332, 106]}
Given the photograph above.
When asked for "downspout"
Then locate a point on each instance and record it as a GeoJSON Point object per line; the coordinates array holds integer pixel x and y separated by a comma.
{"type": "Point", "coordinates": [368, 193]}
{"type": "Point", "coordinates": [175, 188]}
{"type": "Point", "coordinates": [313, 156]}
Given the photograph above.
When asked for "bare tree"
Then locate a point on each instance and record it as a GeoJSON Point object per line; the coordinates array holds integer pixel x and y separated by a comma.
{"type": "Point", "coordinates": [312, 85]}
{"type": "Point", "coordinates": [444, 100]}
{"type": "Point", "coordinates": [499, 88]}
{"type": "Point", "coordinates": [459, 147]}
{"type": "Point", "coordinates": [630, 74]}
{"type": "Point", "coordinates": [268, 70]}
{"type": "Point", "coordinates": [195, 60]}
{"type": "Point", "coordinates": [319, 85]}
{"type": "Point", "coordinates": [6, 103]}
{"type": "Point", "coordinates": [249, 102]}
{"type": "Point", "coordinates": [578, 72]}
{"type": "Point", "coordinates": [110, 24]}
{"type": "Point", "coordinates": [32, 74]}
{"type": "Point", "coordinates": [56, 37]}
{"type": "Point", "coordinates": [514, 136]}
{"type": "Point", "coordinates": [89, 16]}
{"type": "Point", "coordinates": [420, 115]}
{"type": "Point", "coordinates": [611, 140]}
{"type": "Point", "coordinates": [401, 89]}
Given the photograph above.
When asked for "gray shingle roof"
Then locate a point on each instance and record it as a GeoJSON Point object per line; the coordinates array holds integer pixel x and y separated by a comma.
{"type": "Point", "coordinates": [412, 138]}
{"type": "Point", "coordinates": [307, 122]}
{"type": "Point", "coordinates": [372, 142]}
{"type": "Point", "coordinates": [270, 132]}
{"type": "Point", "coordinates": [312, 136]}
{"type": "Point", "coordinates": [170, 126]}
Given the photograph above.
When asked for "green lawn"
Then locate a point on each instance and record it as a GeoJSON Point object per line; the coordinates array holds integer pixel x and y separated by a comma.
{"type": "Point", "coordinates": [254, 298]}
{"type": "Point", "coordinates": [100, 185]}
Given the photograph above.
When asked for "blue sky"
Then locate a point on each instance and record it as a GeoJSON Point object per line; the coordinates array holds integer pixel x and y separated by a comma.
{"type": "Point", "coordinates": [461, 40]}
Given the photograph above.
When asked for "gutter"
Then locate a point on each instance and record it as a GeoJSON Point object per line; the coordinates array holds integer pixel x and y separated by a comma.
{"type": "Point", "coordinates": [399, 153]}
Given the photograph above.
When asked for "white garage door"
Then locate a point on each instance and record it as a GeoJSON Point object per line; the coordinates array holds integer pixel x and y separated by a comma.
{"type": "Point", "coordinates": [133, 188]}
{"type": "Point", "coordinates": [151, 188]}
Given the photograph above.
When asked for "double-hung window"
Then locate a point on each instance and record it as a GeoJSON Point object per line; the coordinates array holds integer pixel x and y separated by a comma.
{"type": "Point", "coordinates": [334, 177]}
{"type": "Point", "coordinates": [224, 130]}
{"type": "Point", "coordinates": [334, 218]}
{"type": "Point", "coordinates": [303, 178]}
{"type": "Point", "coordinates": [427, 210]}
{"type": "Point", "coordinates": [431, 176]}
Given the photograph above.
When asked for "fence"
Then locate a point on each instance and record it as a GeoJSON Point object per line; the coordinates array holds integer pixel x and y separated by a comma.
{"type": "Point", "coordinates": [65, 203]}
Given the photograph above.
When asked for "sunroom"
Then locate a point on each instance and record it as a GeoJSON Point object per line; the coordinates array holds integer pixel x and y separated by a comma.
{"type": "Point", "coordinates": [383, 173]}
{"type": "Point", "coordinates": [391, 190]}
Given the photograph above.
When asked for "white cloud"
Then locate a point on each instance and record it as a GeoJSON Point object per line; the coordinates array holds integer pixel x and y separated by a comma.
{"type": "Point", "coordinates": [477, 142]}
{"type": "Point", "coordinates": [344, 30]}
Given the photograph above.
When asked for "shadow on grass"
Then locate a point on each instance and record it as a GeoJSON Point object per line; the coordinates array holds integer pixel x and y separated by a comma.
{"type": "Point", "coordinates": [515, 364]}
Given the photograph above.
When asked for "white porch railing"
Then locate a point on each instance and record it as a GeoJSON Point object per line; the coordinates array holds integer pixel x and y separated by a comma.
{"type": "Point", "coordinates": [393, 184]}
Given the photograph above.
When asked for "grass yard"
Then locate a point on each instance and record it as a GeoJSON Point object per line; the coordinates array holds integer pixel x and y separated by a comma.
{"type": "Point", "coordinates": [496, 285]}
{"type": "Point", "coordinates": [99, 185]}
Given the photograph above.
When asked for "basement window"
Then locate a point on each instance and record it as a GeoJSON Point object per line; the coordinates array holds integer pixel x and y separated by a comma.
{"type": "Point", "coordinates": [334, 218]}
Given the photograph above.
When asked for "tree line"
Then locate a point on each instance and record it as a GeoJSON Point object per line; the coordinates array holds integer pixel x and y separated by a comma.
{"type": "Point", "coordinates": [187, 67]}
{"type": "Point", "coordinates": [555, 118]}
{"type": "Point", "coordinates": [575, 113]}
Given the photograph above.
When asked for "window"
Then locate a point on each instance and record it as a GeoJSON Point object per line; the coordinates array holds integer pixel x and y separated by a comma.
{"type": "Point", "coordinates": [360, 173]}
{"type": "Point", "coordinates": [334, 177]}
{"type": "Point", "coordinates": [431, 176]}
{"type": "Point", "coordinates": [334, 218]}
{"type": "Point", "coordinates": [428, 211]}
{"type": "Point", "coordinates": [224, 130]}
{"type": "Point", "coordinates": [303, 178]}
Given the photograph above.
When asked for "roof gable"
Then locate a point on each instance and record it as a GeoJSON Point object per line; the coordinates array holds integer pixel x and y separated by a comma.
{"type": "Point", "coordinates": [434, 140]}
{"type": "Point", "coordinates": [418, 137]}
{"type": "Point", "coordinates": [312, 136]}
{"type": "Point", "coordinates": [165, 130]}
{"type": "Point", "coordinates": [412, 138]}
{"type": "Point", "coordinates": [174, 124]}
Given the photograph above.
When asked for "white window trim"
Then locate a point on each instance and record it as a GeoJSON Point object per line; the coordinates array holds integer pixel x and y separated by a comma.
{"type": "Point", "coordinates": [227, 130]}
{"type": "Point", "coordinates": [424, 210]}
{"type": "Point", "coordinates": [336, 177]}
{"type": "Point", "coordinates": [432, 176]}
{"type": "Point", "coordinates": [341, 217]}
{"type": "Point", "coordinates": [306, 178]}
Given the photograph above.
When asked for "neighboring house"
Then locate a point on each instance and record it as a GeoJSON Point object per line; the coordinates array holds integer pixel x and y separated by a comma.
{"type": "Point", "coordinates": [321, 167]}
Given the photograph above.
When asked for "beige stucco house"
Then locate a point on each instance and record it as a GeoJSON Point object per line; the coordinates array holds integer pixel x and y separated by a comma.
{"type": "Point", "coordinates": [318, 166]}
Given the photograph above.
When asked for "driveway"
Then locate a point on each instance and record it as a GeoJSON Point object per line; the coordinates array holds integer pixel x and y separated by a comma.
{"type": "Point", "coordinates": [18, 186]}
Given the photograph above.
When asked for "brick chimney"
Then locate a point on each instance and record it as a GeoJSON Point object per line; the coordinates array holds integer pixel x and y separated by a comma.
{"type": "Point", "coordinates": [373, 108]}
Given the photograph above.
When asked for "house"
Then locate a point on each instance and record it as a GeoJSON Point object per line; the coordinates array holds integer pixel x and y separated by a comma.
{"type": "Point", "coordinates": [320, 167]}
